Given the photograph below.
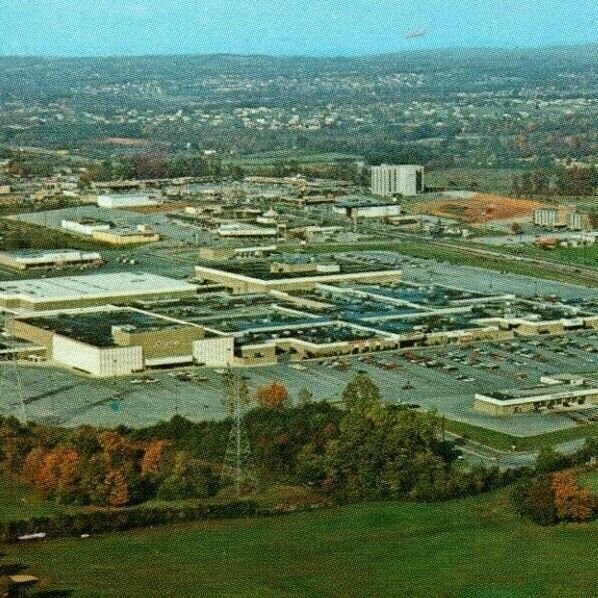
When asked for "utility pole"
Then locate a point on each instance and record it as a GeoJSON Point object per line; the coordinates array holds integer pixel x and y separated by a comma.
{"type": "Point", "coordinates": [238, 465]}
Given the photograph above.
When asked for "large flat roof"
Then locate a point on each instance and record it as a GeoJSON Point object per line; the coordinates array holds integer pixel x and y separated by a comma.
{"type": "Point", "coordinates": [66, 288]}
{"type": "Point", "coordinates": [97, 327]}
{"type": "Point", "coordinates": [260, 269]}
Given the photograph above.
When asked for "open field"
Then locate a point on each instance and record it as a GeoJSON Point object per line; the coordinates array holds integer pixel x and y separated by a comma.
{"type": "Point", "coordinates": [480, 549]}
{"type": "Point", "coordinates": [591, 480]}
{"type": "Point", "coordinates": [582, 256]}
{"type": "Point", "coordinates": [22, 502]}
{"type": "Point", "coordinates": [480, 208]}
{"type": "Point", "coordinates": [17, 234]}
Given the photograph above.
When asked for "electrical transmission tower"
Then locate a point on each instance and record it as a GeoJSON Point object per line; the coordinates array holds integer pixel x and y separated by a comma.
{"type": "Point", "coordinates": [11, 387]}
{"type": "Point", "coordinates": [238, 465]}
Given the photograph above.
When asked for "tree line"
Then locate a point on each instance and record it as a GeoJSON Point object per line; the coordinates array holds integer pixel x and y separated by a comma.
{"type": "Point", "coordinates": [564, 182]}
{"type": "Point", "coordinates": [361, 449]}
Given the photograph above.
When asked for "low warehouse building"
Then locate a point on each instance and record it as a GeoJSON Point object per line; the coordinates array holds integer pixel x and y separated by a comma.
{"type": "Point", "coordinates": [125, 201]}
{"type": "Point", "coordinates": [127, 236]}
{"type": "Point", "coordinates": [70, 292]}
{"type": "Point", "coordinates": [355, 206]}
{"type": "Point", "coordinates": [48, 258]}
{"type": "Point", "coordinates": [85, 226]}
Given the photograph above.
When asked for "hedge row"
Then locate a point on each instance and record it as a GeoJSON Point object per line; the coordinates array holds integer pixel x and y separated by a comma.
{"type": "Point", "coordinates": [97, 522]}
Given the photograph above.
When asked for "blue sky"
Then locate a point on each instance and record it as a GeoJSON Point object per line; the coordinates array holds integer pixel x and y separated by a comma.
{"type": "Point", "coordinates": [286, 27]}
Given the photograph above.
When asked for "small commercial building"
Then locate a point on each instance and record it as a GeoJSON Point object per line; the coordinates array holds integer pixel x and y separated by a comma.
{"type": "Point", "coordinates": [397, 179]}
{"type": "Point", "coordinates": [86, 226]}
{"type": "Point", "coordinates": [565, 216]}
{"type": "Point", "coordinates": [125, 201]}
{"type": "Point", "coordinates": [127, 236]}
{"type": "Point", "coordinates": [219, 253]}
{"type": "Point", "coordinates": [49, 258]}
{"type": "Point", "coordinates": [357, 206]}
{"type": "Point", "coordinates": [117, 342]}
{"type": "Point", "coordinates": [244, 230]}
{"type": "Point", "coordinates": [71, 292]}
{"type": "Point", "coordinates": [572, 394]}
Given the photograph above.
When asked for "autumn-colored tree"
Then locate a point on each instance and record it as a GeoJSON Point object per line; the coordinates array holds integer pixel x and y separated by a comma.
{"type": "Point", "coordinates": [273, 396]}
{"type": "Point", "coordinates": [153, 458]}
{"type": "Point", "coordinates": [118, 451]}
{"type": "Point", "coordinates": [56, 473]}
{"type": "Point", "coordinates": [33, 464]}
{"type": "Point", "coordinates": [572, 502]}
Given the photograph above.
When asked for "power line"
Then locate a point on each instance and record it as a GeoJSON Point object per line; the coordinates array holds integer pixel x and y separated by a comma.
{"type": "Point", "coordinates": [238, 465]}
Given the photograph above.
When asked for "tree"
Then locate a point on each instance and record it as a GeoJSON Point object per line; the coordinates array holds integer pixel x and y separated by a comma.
{"type": "Point", "coordinates": [304, 396]}
{"type": "Point", "coordinates": [572, 503]}
{"type": "Point", "coordinates": [381, 450]}
{"type": "Point", "coordinates": [361, 392]}
{"type": "Point", "coordinates": [153, 458]}
{"type": "Point", "coordinates": [527, 186]}
{"type": "Point", "coordinates": [516, 228]}
{"type": "Point", "coordinates": [151, 165]}
{"type": "Point", "coordinates": [539, 181]}
{"type": "Point", "coordinates": [188, 479]}
{"type": "Point", "coordinates": [56, 473]}
{"type": "Point", "coordinates": [236, 172]}
{"type": "Point", "coordinates": [116, 489]}
{"type": "Point", "coordinates": [549, 460]}
{"type": "Point", "coordinates": [273, 396]}
{"type": "Point", "coordinates": [534, 500]}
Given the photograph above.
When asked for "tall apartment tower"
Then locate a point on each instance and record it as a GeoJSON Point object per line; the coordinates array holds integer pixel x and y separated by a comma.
{"type": "Point", "coordinates": [403, 179]}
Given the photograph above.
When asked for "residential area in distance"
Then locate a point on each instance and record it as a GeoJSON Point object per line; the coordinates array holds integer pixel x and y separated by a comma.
{"type": "Point", "coordinates": [357, 294]}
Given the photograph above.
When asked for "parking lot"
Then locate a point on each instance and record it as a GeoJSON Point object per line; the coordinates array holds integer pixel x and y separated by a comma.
{"type": "Point", "coordinates": [444, 378]}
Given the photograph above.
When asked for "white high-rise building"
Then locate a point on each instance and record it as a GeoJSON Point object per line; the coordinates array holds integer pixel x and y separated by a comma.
{"type": "Point", "coordinates": [401, 179]}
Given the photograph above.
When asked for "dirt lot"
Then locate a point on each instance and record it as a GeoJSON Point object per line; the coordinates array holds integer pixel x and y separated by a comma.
{"type": "Point", "coordinates": [480, 208]}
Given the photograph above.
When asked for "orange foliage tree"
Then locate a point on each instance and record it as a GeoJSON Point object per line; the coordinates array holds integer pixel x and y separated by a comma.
{"type": "Point", "coordinates": [572, 502]}
{"type": "Point", "coordinates": [153, 457]}
{"type": "Point", "coordinates": [56, 472]}
{"type": "Point", "coordinates": [273, 396]}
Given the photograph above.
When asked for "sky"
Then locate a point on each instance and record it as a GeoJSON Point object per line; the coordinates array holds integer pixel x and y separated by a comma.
{"type": "Point", "coordinates": [287, 27]}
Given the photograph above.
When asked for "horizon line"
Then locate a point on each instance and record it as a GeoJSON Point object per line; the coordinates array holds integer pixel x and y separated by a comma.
{"type": "Point", "coordinates": [302, 56]}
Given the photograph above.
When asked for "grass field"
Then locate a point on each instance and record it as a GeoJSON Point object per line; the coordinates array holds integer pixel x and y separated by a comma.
{"type": "Point", "coordinates": [581, 256]}
{"type": "Point", "coordinates": [590, 480]}
{"type": "Point", "coordinates": [458, 255]}
{"type": "Point", "coordinates": [504, 442]}
{"type": "Point", "coordinates": [21, 502]}
{"type": "Point", "coordinates": [470, 548]}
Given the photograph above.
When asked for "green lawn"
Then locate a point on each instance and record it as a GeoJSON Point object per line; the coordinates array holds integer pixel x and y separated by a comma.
{"type": "Point", "coordinates": [582, 256]}
{"type": "Point", "coordinates": [503, 441]}
{"type": "Point", "coordinates": [458, 255]}
{"type": "Point", "coordinates": [590, 479]}
{"type": "Point", "coordinates": [21, 502]}
{"type": "Point", "coordinates": [468, 548]}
